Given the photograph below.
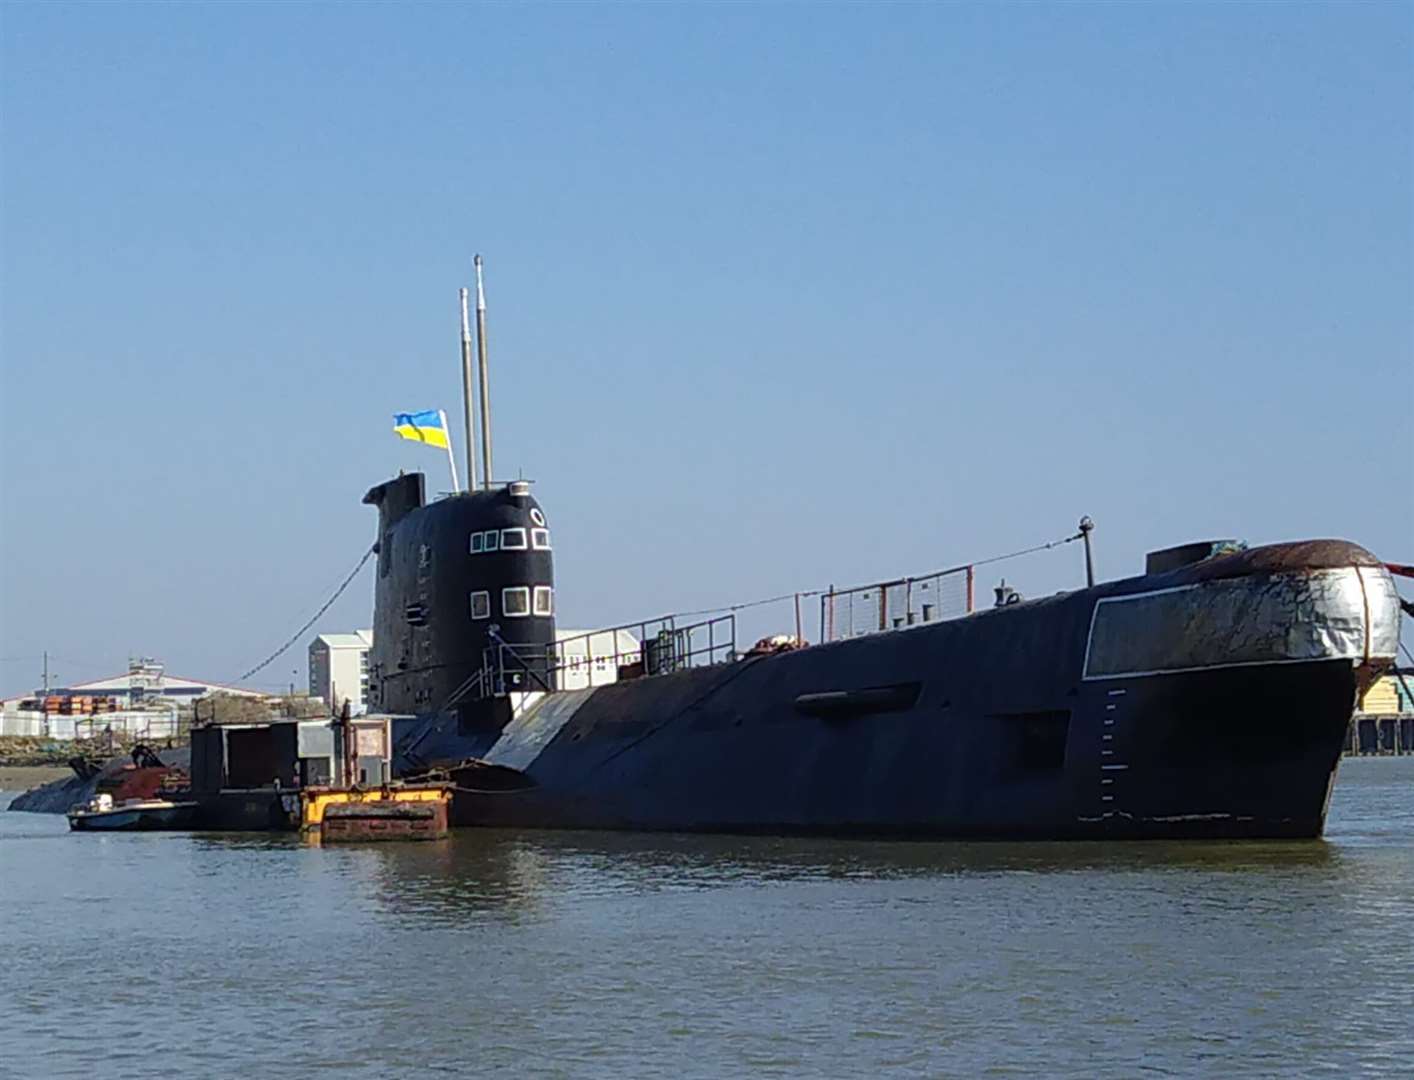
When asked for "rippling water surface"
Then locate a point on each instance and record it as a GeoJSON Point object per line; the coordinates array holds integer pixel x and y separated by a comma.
{"type": "Point", "coordinates": [592, 954]}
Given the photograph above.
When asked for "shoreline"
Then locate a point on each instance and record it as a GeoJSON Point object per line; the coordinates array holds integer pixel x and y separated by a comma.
{"type": "Point", "coordinates": [20, 778]}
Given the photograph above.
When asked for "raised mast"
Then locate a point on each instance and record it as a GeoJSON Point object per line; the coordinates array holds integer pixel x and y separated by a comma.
{"type": "Point", "coordinates": [485, 378]}
{"type": "Point", "coordinates": [466, 397]}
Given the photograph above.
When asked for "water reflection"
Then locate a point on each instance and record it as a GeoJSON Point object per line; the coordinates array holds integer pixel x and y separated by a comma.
{"type": "Point", "coordinates": [516, 874]}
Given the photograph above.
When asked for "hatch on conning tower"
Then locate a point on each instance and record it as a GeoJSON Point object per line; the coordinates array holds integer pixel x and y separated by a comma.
{"type": "Point", "coordinates": [1160, 562]}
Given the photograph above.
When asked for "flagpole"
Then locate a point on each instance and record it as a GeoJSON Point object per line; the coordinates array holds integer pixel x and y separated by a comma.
{"type": "Point", "coordinates": [451, 458]}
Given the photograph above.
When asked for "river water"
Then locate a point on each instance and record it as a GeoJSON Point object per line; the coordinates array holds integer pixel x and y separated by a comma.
{"type": "Point", "coordinates": [614, 955]}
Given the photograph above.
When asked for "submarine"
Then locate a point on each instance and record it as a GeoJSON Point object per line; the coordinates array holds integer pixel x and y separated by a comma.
{"type": "Point", "coordinates": [1207, 697]}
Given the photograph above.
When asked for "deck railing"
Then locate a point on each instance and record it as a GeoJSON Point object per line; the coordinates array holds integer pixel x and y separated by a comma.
{"type": "Point", "coordinates": [659, 646]}
{"type": "Point", "coordinates": [897, 604]}
{"type": "Point", "coordinates": [650, 647]}
{"type": "Point", "coordinates": [631, 650]}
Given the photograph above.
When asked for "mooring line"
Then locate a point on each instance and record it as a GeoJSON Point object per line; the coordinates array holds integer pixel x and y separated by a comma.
{"type": "Point", "coordinates": [300, 632]}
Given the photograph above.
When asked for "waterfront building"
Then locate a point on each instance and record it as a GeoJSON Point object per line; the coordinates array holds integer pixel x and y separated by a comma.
{"type": "Point", "coordinates": [144, 701]}
{"type": "Point", "coordinates": [338, 669]}
{"type": "Point", "coordinates": [1390, 694]}
{"type": "Point", "coordinates": [1384, 716]}
{"type": "Point", "coordinates": [588, 658]}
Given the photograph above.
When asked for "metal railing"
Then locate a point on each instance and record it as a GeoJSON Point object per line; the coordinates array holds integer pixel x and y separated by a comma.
{"type": "Point", "coordinates": [131, 723]}
{"type": "Point", "coordinates": [897, 604]}
{"type": "Point", "coordinates": [651, 647]}
{"type": "Point", "coordinates": [659, 646]}
{"type": "Point", "coordinates": [630, 651]}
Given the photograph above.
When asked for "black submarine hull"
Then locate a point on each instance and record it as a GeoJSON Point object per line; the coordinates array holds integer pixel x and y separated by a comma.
{"type": "Point", "coordinates": [1207, 698]}
{"type": "Point", "coordinates": [933, 771]}
{"type": "Point", "coordinates": [998, 724]}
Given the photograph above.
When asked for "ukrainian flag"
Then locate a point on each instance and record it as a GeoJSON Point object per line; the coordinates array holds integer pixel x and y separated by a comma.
{"type": "Point", "coordinates": [429, 426]}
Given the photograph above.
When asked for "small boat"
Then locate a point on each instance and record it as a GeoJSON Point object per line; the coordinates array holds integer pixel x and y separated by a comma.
{"type": "Point", "coordinates": [131, 815]}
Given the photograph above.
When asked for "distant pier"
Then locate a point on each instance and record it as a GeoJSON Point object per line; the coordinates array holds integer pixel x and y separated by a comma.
{"type": "Point", "coordinates": [1384, 717]}
{"type": "Point", "coordinates": [1374, 734]}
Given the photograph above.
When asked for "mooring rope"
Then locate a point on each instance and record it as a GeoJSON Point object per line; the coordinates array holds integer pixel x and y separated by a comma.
{"type": "Point", "coordinates": [300, 632]}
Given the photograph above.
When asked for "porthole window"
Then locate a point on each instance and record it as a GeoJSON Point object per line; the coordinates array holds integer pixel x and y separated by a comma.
{"type": "Point", "coordinates": [512, 539]}
{"type": "Point", "coordinates": [515, 601]}
{"type": "Point", "coordinates": [478, 543]}
{"type": "Point", "coordinates": [481, 604]}
{"type": "Point", "coordinates": [536, 516]}
{"type": "Point", "coordinates": [540, 539]}
{"type": "Point", "coordinates": [493, 540]}
{"type": "Point", "coordinates": [544, 600]}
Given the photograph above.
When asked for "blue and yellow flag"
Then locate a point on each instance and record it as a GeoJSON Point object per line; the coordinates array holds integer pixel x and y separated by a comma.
{"type": "Point", "coordinates": [429, 426]}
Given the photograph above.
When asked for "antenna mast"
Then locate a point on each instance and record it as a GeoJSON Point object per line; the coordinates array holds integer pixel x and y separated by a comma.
{"type": "Point", "coordinates": [485, 378]}
{"type": "Point", "coordinates": [466, 397]}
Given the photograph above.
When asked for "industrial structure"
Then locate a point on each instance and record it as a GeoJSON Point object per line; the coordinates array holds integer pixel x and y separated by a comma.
{"type": "Point", "coordinates": [144, 701]}
{"type": "Point", "coordinates": [1384, 716]}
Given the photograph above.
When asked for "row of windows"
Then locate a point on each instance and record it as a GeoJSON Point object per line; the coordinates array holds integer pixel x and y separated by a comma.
{"type": "Point", "coordinates": [509, 540]}
{"type": "Point", "coordinates": [517, 601]}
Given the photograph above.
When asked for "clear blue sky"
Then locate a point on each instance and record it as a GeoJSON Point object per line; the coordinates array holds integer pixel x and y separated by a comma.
{"type": "Point", "coordinates": [780, 295]}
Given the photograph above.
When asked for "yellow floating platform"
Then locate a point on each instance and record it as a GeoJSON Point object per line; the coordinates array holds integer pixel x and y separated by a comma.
{"type": "Point", "coordinates": [413, 812]}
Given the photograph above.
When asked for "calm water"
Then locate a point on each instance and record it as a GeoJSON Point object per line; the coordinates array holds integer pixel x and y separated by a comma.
{"type": "Point", "coordinates": [619, 955]}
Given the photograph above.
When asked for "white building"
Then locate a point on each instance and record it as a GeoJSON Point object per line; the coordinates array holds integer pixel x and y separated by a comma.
{"type": "Point", "coordinates": [338, 663]}
{"type": "Point", "coordinates": [338, 669]}
{"type": "Point", "coordinates": [144, 702]}
{"type": "Point", "coordinates": [147, 680]}
{"type": "Point", "coordinates": [592, 657]}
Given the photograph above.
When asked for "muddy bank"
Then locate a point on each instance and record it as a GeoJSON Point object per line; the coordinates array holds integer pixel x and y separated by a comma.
{"type": "Point", "coordinates": [23, 777]}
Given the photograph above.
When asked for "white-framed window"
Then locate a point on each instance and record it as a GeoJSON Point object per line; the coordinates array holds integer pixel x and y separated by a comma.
{"type": "Point", "coordinates": [493, 540]}
{"type": "Point", "coordinates": [481, 604]}
{"type": "Point", "coordinates": [540, 539]}
{"type": "Point", "coordinates": [512, 539]}
{"type": "Point", "coordinates": [478, 543]}
{"type": "Point", "coordinates": [544, 600]}
{"type": "Point", "coordinates": [537, 517]}
{"type": "Point", "coordinates": [515, 601]}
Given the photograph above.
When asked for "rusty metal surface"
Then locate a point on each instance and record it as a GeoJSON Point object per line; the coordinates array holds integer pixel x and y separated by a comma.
{"type": "Point", "coordinates": [364, 821]}
{"type": "Point", "coordinates": [1276, 558]}
{"type": "Point", "coordinates": [133, 782]}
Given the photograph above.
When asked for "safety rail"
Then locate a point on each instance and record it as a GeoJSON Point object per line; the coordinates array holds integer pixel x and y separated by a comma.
{"type": "Point", "coordinates": [650, 647]}
{"type": "Point", "coordinates": [632, 650]}
{"type": "Point", "coordinates": [659, 646]}
{"type": "Point", "coordinates": [897, 604]}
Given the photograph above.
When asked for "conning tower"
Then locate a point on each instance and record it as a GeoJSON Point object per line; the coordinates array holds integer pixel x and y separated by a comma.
{"type": "Point", "coordinates": [456, 577]}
